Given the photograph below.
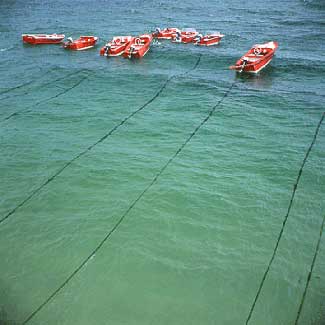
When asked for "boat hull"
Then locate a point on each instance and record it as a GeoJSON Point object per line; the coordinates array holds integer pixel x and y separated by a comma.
{"type": "Point", "coordinates": [42, 38]}
{"type": "Point", "coordinates": [116, 47]}
{"type": "Point", "coordinates": [185, 37]}
{"type": "Point", "coordinates": [167, 33]}
{"type": "Point", "coordinates": [256, 59]}
{"type": "Point", "coordinates": [83, 43]}
{"type": "Point", "coordinates": [254, 68]}
{"type": "Point", "coordinates": [138, 47]}
{"type": "Point", "coordinates": [209, 40]}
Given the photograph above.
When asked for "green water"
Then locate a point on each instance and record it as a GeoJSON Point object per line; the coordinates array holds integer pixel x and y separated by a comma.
{"type": "Point", "coordinates": [192, 241]}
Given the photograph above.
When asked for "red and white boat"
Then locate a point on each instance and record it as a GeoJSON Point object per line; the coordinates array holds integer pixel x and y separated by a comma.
{"type": "Point", "coordinates": [185, 36]}
{"type": "Point", "coordinates": [167, 33]}
{"type": "Point", "coordinates": [138, 47]}
{"type": "Point", "coordinates": [116, 46]}
{"type": "Point", "coordinates": [209, 39]}
{"type": "Point", "coordinates": [257, 58]}
{"type": "Point", "coordinates": [82, 43]}
{"type": "Point", "coordinates": [43, 38]}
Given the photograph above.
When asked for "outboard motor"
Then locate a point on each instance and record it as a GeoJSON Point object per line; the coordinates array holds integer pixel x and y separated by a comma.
{"type": "Point", "coordinates": [157, 31]}
{"type": "Point", "coordinates": [198, 38]}
{"type": "Point", "coordinates": [107, 47]}
{"type": "Point", "coordinates": [131, 51]}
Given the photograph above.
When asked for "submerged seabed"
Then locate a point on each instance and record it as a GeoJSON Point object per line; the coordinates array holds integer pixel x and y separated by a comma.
{"type": "Point", "coordinates": [196, 235]}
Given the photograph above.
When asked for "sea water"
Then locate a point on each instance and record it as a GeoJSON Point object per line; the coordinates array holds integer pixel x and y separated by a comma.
{"type": "Point", "coordinates": [95, 149]}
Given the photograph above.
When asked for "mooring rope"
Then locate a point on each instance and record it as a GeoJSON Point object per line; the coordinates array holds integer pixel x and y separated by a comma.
{"type": "Point", "coordinates": [45, 100]}
{"type": "Point", "coordinates": [285, 218]}
{"type": "Point", "coordinates": [43, 85]}
{"type": "Point", "coordinates": [82, 153]}
{"type": "Point", "coordinates": [153, 181]}
{"type": "Point", "coordinates": [311, 271]}
{"type": "Point", "coordinates": [16, 87]}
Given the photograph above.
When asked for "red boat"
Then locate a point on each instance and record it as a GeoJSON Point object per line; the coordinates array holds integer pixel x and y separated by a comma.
{"type": "Point", "coordinates": [82, 43]}
{"type": "Point", "coordinates": [116, 46]}
{"type": "Point", "coordinates": [167, 33]}
{"type": "Point", "coordinates": [43, 38]}
{"type": "Point", "coordinates": [138, 47]}
{"type": "Point", "coordinates": [185, 36]}
{"type": "Point", "coordinates": [257, 58]}
{"type": "Point", "coordinates": [209, 39]}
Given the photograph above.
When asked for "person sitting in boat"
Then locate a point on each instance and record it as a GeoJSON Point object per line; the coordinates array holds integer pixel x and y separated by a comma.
{"type": "Point", "coordinates": [69, 40]}
{"type": "Point", "coordinates": [257, 51]}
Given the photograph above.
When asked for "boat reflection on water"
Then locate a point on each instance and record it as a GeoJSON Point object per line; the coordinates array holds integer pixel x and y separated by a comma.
{"type": "Point", "coordinates": [261, 80]}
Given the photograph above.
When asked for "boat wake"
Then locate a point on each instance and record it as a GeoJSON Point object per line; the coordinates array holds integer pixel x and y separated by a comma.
{"type": "Point", "coordinates": [6, 49]}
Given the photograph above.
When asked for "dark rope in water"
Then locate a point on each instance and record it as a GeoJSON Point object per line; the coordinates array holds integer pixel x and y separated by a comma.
{"type": "Point", "coordinates": [45, 100]}
{"type": "Point", "coordinates": [17, 87]}
{"type": "Point", "coordinates": [310, 272]}
{"type": "Point", "coordinates": [43, 85]}
{"type": "Point", "coordinates": [67, 164]}
{"type": "Point", "coordinates": [154, 180]}
{"type": "Point", "coordinates": [286, 217]}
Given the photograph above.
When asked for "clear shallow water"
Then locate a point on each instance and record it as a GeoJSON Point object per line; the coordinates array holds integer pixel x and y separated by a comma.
{"type": "Point", "coordinates": [194, 248]}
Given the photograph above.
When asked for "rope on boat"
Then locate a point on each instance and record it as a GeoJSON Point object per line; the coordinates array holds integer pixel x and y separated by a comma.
{"type": "Point", "coordinates": [311, 271]}
{"type": "Point", "coordinates": [154, 180]}
{"type": "Point", "coordinates": [47, 99]}
{"type": "Point", "coordinates": [44, 85]}
{"type": "Point", "coordinates": [285, 218]}
{"type": "Point", "coordinates": [103, 138]}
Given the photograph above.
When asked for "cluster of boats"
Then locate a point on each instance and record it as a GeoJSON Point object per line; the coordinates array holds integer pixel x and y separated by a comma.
{"type": "Point", "coordinates": [188, 35]}
{"type": "Point", "coordinates": [258, 57]}
{"type": "Point", "coordinates": [82, 43]}
{"type": "Point", "coordinates": [127, 46]}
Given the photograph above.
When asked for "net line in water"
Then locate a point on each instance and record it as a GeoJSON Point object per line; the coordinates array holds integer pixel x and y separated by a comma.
{"type": "Point", "coordinates": [286, 217]}
{"type": "Point", "coordinates": [41, 85]}
{"type": "Point", "coordinates": [147, 188]}
{"type": "Point", "coordinates": [65, 90]}
{"type": "Point", "coordinates": [310, 272]}
{"type": "Point", "coordinates": [103, 138]}
{"type": "Point", "coordinates": [16, 87]}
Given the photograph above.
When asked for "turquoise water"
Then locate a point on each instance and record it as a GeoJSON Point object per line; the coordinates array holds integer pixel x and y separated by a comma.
{"type": "Point", "coordinates": [191, 240]}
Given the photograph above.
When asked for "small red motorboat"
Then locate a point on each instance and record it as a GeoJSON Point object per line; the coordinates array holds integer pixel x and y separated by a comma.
{"type": "Point", "coordinates": [167, 33]}
{"type": "Point", "coordinates": [138, 47]}
{"type": "Point", "coordinates": [82, 43]}
{"type": "Point", "coordinates": [43, 38]}
{"type": "Point", "coordinates": [116, 46]}
{"type": "Point", "coordinates": [209, 39]}
{"type": "Point", "coordinates": [185, 36]}
{"type": "Point", "coordinates": [257, 58]}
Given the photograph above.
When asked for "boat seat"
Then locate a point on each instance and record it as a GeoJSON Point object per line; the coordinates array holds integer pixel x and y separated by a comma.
{"type": "Point", "coordinates": [254, 55]}
{"type": "Point", "coordinates": [250, 59]}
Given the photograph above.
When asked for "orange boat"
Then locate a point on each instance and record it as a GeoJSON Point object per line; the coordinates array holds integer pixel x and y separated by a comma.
{"type": "Point", "coordinates": [116, 46]}
{"type": "Point", "coordinates": [138, 47]}
{"type": "Point", "coordinates": [82, 43]}
{"type": "Point", "coordinates": [257, 58]}
{"type": "Point", "coordinates": [185, 36]}
{"type": "Point", "coordinates": [167, 33]}
{"type": "Point", "coordinates": [43, 38]}
{"type": "Point", "coordinates": [209, 39]}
